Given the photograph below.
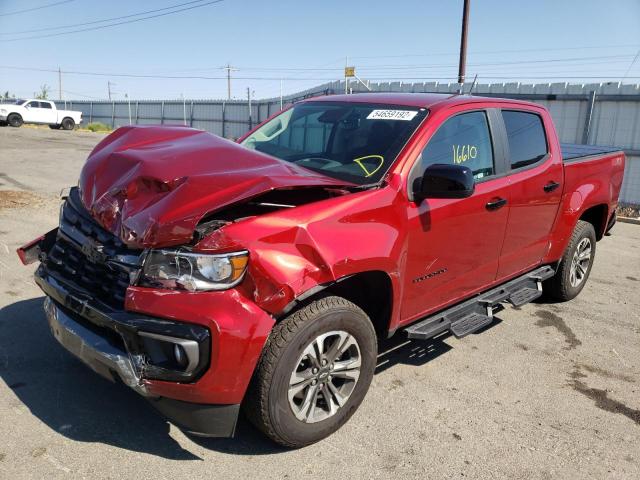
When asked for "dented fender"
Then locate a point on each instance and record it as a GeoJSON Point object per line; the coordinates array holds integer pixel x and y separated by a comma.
{"type": "Point", "coordinates": [296, 253]}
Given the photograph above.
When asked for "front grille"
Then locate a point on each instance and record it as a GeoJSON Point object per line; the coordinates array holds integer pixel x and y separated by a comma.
{"type": "Point", "coordinates": [84, 254]}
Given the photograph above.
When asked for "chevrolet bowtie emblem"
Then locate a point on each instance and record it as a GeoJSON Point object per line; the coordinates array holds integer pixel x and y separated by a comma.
{"type": "Point", "coordinates": [94, 252]}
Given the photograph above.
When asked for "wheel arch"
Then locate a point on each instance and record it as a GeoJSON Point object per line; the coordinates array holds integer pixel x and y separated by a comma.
{"type": "Point", "coordinates": [598, 216]}
{"type": "Point", "coordinates": [371, 290]}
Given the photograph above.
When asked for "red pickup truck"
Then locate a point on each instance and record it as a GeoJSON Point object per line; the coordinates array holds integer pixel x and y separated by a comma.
{"type": "Point", "coordinates": [207, 274]}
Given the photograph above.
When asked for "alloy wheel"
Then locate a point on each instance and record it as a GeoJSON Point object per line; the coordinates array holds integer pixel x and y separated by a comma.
{"type": "Point", "coordinates": [580, 262]}
{"type": "Point", "coordinates": [325, 376]}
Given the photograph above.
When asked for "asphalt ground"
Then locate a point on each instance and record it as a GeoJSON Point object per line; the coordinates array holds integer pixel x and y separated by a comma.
{"type": "Point", "coordinates": [548, 391]}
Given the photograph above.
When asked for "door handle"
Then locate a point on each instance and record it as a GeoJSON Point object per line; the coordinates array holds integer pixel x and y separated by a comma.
{"type": "Point", "coordinates": [551, 186]}
{"type": "Point", "coordinates": [496, 204]}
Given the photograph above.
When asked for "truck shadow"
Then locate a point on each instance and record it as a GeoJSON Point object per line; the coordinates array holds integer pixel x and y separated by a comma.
{"type": "Point", "coordinates": [77, 403]}
{"type": "Point", "coordinates": [400, 350]}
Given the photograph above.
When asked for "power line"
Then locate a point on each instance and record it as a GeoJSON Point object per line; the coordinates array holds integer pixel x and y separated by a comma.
{"type": "Point", "coordinates": [34, 8]}
{"type": "Point", "coordinates": [115, 24]}
{"type": "Point", "coordinates": [485, 52]}
{"type": "Point", "coordinates": [630, 66]}
{"type": "Point", "coordinates": [73, 25]}
{"type": "Point", "coordinates": [326, 79]}
{"type": "Point", "coordinates": [517, 62]}
{"type": "Point", "coordinates": [600, 59]}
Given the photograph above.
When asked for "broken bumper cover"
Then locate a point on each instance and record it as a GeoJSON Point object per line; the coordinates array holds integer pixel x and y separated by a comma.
{"type": "Point", "coordinates": [94, 350]}
{"type": "Point", "coordinates": [95, 337]}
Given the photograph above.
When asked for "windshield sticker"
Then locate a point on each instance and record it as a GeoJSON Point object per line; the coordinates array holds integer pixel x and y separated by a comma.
{"type": "Point", "coordinates": [379, 159]}
{"type": "Point", "coordinates": [462, 153]}
{"type": "Point", "coordinates": [392, 115]}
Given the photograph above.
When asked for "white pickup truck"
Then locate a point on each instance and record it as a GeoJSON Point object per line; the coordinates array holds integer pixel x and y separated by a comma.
{"type": "Point", "coordinates": [16, 112]}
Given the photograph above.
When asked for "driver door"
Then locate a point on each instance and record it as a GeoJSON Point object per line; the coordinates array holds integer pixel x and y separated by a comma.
{"type": "Point", "coordinates": [454, 244]}
{"type": "Point", "coordinates": [31, 112]}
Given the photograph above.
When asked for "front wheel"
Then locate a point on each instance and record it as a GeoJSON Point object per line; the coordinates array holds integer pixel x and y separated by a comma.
{"type": "Point", "coordinates": [15, 120]}
{"type": "Point", "coordinates": [314, 372]}
{"type": "Point", "coordinates": [576, 263]}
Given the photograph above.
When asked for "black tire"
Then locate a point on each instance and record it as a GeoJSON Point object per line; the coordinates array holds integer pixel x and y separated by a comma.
{"type": "Point", "coordinates": [68, 123]}
{"type": "Point", "coordinates": [54, 127]}
{"type": "Point", "coordinates": [15, 120]}
{"type": "Point", "coordinates": [562, 286]}
{"type": "Point", "coordinates": [267, 404]}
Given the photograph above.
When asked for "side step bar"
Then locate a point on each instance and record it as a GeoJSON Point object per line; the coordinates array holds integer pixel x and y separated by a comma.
{"type": "Point", "coordinates": [473, 314]}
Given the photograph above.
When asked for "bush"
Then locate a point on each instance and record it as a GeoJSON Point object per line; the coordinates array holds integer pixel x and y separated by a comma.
{"type": "Point", "coordinates": [98, 127]}
{"type": "Point", "coordinates": [632, 211]}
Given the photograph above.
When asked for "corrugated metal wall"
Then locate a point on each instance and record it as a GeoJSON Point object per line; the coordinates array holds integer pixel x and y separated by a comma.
{"type": "Point", "coordinates": [614, 119]}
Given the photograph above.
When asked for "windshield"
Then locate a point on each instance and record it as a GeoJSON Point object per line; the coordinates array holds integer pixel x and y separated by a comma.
{"type": "Point", "coordinates": [356, 142]}
{"type": "Point", "coordinates": [13, 101]}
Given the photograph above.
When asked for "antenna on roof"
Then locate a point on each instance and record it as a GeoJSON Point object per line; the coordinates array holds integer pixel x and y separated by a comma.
{"type": "Point", "coordinates": [475, 79]}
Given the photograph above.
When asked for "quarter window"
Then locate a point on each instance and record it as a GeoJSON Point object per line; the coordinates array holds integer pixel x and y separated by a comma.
{"type": "Point", "coordinates": [525, 134]}
{"type": "Point", "coordinates": [462, 140]}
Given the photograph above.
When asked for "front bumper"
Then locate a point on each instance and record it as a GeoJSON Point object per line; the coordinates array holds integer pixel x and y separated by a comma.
{"type": "Point", "coordinates": [106, 356]}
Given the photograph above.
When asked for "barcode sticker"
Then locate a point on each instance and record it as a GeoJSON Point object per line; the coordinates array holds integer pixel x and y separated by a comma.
{"type": "Point", "coordinates": [392, 115]}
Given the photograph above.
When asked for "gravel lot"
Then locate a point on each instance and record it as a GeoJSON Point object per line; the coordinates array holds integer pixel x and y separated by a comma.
{"type": "Point", "coordinates": [549, 391]}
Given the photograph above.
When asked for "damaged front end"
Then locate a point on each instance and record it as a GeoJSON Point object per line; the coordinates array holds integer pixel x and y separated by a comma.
{"type": "Point", "coordinates": [85, 272]}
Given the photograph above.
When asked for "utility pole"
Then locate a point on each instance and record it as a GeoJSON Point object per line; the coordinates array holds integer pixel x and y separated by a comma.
{"type": "Point", "coordinates": [346, 79]}
{"type": "Point", "coordinates": [249, 103]}
{"type": "Point", "coordinates": [109, 88]}
{"type": "Point", "coordinates": [126, 95]}
{"type": "Point", "coordinates": [229, 69]}
{"type": "Point", "coordinates": [184, 108]}
{"type": "Point", "coordinates": [463, 46]}
{"type": "Point", "coordinates": [59, 84]}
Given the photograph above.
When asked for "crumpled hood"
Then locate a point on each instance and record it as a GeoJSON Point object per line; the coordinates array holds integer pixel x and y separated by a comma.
{"type": "Point", "coordinates": [152, 185]}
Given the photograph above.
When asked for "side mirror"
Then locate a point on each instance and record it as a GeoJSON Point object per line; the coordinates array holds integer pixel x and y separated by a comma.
{"type": "Point", "coordinates": [445, 181]}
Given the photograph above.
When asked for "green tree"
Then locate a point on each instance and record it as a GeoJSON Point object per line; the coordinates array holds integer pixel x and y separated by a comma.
{"type": "Point", "coordinates": [44, 92]}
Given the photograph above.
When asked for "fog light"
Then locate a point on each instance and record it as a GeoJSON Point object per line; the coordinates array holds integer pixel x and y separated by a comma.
{"type": "Point", "coordinates": [181, 357]}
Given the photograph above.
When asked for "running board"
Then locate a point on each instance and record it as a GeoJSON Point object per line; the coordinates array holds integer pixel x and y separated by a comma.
{"type": "Point", "coordinates": [473, 314]}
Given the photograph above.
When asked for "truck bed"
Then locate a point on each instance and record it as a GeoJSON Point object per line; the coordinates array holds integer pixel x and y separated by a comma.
{"type": "Point", "coordinates": [574, 152]}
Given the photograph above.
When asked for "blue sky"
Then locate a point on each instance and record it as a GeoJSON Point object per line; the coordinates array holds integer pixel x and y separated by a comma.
{"type": "Point", "coordinates": [412, 40]}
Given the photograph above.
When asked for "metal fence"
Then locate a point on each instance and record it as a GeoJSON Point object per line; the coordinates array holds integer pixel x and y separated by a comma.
{"type": "Point", "coordinates": [599, 114]}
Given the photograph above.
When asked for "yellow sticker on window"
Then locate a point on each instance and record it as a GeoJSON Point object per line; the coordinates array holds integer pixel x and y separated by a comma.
{"type": "Point", "coordinates": [368, 173]}
{"type": "Point", "coordinates": [462, 153]}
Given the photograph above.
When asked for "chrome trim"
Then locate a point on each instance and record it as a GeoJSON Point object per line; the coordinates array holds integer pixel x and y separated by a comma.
{"type": "Point", "coordinates": [190, 347]}
{"type": "Point", "coordinates": [93, 350]}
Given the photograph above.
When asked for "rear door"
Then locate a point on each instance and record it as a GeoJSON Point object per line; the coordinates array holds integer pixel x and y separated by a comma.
{"type": "Point", "coordinates": [535, 189]}
{"type": "Point", "coordinates": [454, 244]}
{"type": "Point", "coordinates": [47, 113]}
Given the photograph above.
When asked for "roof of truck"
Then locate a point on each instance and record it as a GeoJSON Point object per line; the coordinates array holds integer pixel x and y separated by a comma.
{"type": "Point", "coordinates": [425, 100]}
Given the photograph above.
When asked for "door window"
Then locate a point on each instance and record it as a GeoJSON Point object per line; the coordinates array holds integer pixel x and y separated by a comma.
{"type": "Point", "coordinates": [462, 140]}
{"type": "Point", "coordinates": [525, 134]}
{"type": "Point", "coordinates": [33, 104]}
{"type": "Point", "coordinates": [45, 105]}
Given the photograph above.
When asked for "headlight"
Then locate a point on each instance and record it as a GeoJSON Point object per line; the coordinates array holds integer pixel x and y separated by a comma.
{"type": "Point", "coordinates": [193, 271]}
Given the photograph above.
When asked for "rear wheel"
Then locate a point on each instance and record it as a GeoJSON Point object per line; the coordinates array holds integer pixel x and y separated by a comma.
{"type": "Point", "coordinates": [15, 120]}
{"type": "Point", "coordinates": [68, 124]}
{"type": "Point", "coordinates": [314, 372]}
{"type": "Point", "coordinates": [576, 263]}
